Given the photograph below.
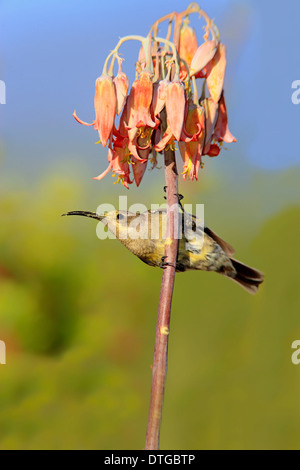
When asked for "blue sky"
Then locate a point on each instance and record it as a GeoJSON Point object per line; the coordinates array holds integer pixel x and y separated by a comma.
{"type": "Point", "coordinates": [52, 51]}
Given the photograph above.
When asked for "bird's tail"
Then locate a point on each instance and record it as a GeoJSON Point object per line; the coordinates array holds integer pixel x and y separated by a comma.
{"type": "Point", "coordinates": [249, 278]}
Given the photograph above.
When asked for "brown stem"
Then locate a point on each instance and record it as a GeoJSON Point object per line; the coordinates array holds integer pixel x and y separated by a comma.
{"type": "Point", "coordinates": [160, 360]}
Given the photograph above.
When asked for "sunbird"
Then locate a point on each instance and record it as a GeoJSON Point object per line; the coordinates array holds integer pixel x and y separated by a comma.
{"type": "Point", "coordinates": [199, 248]}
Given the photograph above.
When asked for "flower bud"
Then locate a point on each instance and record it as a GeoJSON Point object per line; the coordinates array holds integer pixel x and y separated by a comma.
{"type": "Point", "coordinates": [215, 73]}
{"type": "Point", "coordinates": [175, 106]}
{"type": "Point", "coordinates": [203, 55]}
{"type": "Point", "coordinates": [187, 44]}
{"type": "Point", "coordinates": [139, 102]}
{"type": "Point", "coordinates": [121, 83]}
{"type": "Point", "coordinates": [105, 107]}
{"type": "Point", "coordinates": [159, 96]}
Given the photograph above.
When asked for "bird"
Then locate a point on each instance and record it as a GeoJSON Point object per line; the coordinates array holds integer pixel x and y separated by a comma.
{"type": "Point", "coordinates": [199, 247]}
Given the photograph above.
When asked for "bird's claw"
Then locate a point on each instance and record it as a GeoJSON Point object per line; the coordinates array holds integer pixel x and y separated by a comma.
{"type": "Point", "coordinates": [179, 196]}
{"type": "Point", "coordinates": [164, 264]}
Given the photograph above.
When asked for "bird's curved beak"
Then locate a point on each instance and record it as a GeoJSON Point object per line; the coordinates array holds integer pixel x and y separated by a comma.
{"type": "Point", "coordinates": [93, 215]}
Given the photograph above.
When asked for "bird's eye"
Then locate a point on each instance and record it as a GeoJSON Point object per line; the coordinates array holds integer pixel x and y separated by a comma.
{"type": "Point", "coordinates": [119, 216]}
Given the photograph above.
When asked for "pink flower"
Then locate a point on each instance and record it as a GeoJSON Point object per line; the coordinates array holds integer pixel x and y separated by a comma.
{"type": "Point", "coordinates": [191, 151]}
{"type": "Point", "coordinates": [211, 115]}
{"type": "Point", "coordinates": [175, 106]}
{"type": "Point", "coordinates": [105, 107]}
{"type": "Point", "coordinates": [203, 56]}
{"type": "Point", "coordinates": [139, 102]}
{"type": "Point", "coordinates": [187, 45]}
{"type": "Point", "coordinates": [122, 84]}
{"type": "Point", "coordinates": [215, 73]}
{"type": "Point", "coordinates": [159, 96]}
{"type": "Point", "coordinates": [139, 169]}
{"type": "Point", "coordinates": [105, 102]}
{"type": "Point", "coordinates": [221, 131]}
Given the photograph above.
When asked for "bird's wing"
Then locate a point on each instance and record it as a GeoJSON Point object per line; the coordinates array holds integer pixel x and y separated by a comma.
{"type": "Point", "coordinates": [195, 234]}
{"type": "Point", "coordinates": [228, 249]}
{"type": "Point", "coordinates": [194, 238]}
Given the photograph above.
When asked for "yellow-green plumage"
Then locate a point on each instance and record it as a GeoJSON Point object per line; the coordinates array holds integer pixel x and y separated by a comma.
{"type": "Point", "coordinates": [144, 236]}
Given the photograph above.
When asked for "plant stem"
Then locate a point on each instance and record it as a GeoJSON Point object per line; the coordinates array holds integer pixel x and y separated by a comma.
{"type": "Point", "coordinates": [160, 360]}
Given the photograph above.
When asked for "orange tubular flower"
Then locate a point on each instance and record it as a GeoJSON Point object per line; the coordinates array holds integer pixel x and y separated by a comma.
{"type": "Point", "coordinates": [135, 139]}
{"type": "Point", "coordinates": [187, 45]}
{"type": "Point", "coordinates": [118, 164]}
{"type": "Point", "coordinates": [191, 151]}
{"type": "Point", "coordinates": [105, 102]}
{"type": "Point", "coordinates": [122, 84]}
{"type": "Point", "coordinates": [221, 132]}
{"type": "Point", "coordinates": [105, 107]}
{"type": "Point", "coordinates": [168, 139]}
{"type": "Point", "coordinates": [139, 102]}
{"type": "Point", "coordinates": [211, 115]}
{"type": "Point", "coordinates": [139, 141]}
{"type": "Point", "coordinates": [175, 106]}
{"type": "Point", "coordinates": [215, 73]}
{"type": "Point", "coordinates": [159, 96]}
{"type": "Point", "coordinates": [139, 168]}
{"type": "Point", "coordinates": [203, 56]}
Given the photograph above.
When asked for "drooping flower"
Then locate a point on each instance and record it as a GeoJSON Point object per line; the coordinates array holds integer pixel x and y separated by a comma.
{"type": "Point", "coordinates": [159, 96]}
{"type": "Point", "coordinates": [203, 56]}
{"type": "Point", "coordinates": [139, 142]}
{"type": "Point", "coordinates": [175, 106]}
{"type": "Point", "coordinates": [120, 165]}
{"type": "Point", "coordinates": [139, 102]}
{"type": "Point", "coordinates": [217, 130]}
{"type": "Point", "coordinates": [105, 102]}
{"type": "Point", "coordinates": [221, 131]}
{"type": "Point", "coordinates": [138, 169]}
{"type": "Point", "coordinates": [135, 139]}
{"type": "Point", "coordinates": [187, 45]}
{"type": "Point", "coordinates": [122, 84]}
{"type": "Point", "coordinates": [215, 73]}
{"type": "Point", "coordinates": [105, 107]}
{"type": "Point", "coordinates": [119, 159]}
{"type": "Point", "coordinates": [168, 139]}
{"type": "Point", "coordinates": [211, 115]}
{"type": "Point", "coordinates": [191, 152]}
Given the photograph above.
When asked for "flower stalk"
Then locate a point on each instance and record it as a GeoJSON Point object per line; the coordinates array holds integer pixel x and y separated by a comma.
{"type": "Point", "coordinates": [160, 361]}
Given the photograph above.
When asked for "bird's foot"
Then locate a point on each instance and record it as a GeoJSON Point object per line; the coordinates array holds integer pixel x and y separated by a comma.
{"type": "Point", "coordinates": [164, 264]}
{"type": "Point", "coordinates": [179, 196]}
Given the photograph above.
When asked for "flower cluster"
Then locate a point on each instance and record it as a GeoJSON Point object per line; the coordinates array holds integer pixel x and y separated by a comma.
{"type": "Point", "coordinates": [163, 105]}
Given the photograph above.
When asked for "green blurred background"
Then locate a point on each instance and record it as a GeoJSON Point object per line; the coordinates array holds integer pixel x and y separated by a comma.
{"type": "Point", "coordinates": [78, 314]}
